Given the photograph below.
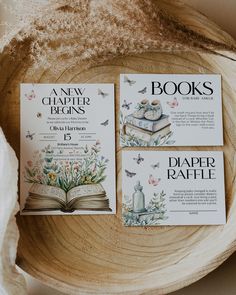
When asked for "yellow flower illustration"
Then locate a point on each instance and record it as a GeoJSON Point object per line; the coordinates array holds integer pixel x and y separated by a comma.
{"type": "Point", "coordinates": [52, 176]}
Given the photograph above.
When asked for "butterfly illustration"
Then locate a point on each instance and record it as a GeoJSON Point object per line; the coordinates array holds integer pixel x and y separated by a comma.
{"type": "Point", "coordinates": [105, 123]}
{"type": "Point", "coordinates": [153, 181]}
{"type": "Point", "coordinates": [130, 82]}
{"type": "Point", "coordinates": [30, 135]}
{"type": "Point", "coordinates": [30, 95]}
{"type": "Point", "coordinates": [129, 174]}
{"type": "Point", "coordinates": [126, 105]}
{"type": "Point", "coordinates": [144, 90]}
{"type": "Point", "coordinates": [39, 115]}
{"type": "Point", "coordinates": [103, 94]}
{"type": "Point", "coordinates": [139, 159]}
{"type": "Point", "coordinates": [157, 165]}
{"type": "Point", "coordinates": [174, 103]}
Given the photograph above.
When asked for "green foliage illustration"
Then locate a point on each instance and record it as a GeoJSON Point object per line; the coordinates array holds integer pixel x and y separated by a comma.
{"type": "Point", "coordinates": [154, 215]}
{"type": "Point", "coordinates": [45, 169]}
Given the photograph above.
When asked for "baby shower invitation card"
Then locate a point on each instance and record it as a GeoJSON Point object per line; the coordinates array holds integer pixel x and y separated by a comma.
{"type": "Point", "coordinates": [172, 188]}
{"type": "Point", "coordinates": [67, 167]}
{"type": "Point", "coordinates": [170, 110]}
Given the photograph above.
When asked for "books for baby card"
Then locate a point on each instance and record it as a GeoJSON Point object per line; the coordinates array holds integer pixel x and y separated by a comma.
{"type": "Point", "coordinates": [170, 110]}
{"type": "Point", "coordinates": [172, 188]}
{"type": "Point", "coordinates": [67, 167]}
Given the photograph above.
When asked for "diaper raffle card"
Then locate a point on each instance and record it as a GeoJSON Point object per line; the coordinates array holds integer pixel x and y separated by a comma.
{"type": "Point", "coordinates": [172, 188]}
{"type": "Point", "coordinates": [67, 167]}
{"type": "Point", "coordinates": [170, 110]}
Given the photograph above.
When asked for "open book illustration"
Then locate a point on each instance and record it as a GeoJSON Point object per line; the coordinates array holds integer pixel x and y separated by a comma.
{"type": "Point", "coordinates": [66, 185]}
{"type": "Point", "coordinates": [83, 197]}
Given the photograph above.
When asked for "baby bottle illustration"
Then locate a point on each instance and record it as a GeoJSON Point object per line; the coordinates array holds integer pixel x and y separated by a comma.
{"type": "Point", "coordinates": [138, 199]}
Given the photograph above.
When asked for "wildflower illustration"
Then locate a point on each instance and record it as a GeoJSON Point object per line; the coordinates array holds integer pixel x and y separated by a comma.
{"type": "Point", "coordinates": [66, 174]}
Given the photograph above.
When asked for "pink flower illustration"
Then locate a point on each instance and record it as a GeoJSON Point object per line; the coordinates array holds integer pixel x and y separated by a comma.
{"type": "Point", "coordinates": [39, 177]}
{"type": "Point", "coordinates": [29, 163]}
{"type": "Point", "coordinates": [76, 168]}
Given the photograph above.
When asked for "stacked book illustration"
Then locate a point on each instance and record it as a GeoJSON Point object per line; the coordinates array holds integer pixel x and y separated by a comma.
{"type": "Point", "coordinates": [147, 123]}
